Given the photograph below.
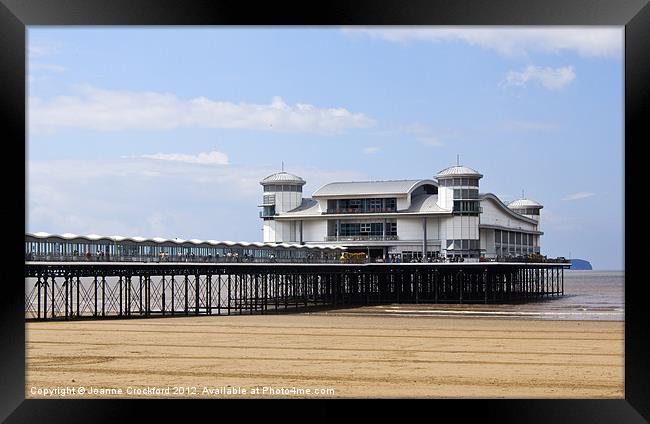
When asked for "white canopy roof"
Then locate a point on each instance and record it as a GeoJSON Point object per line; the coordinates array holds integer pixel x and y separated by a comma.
{"type": "Point", "coordinates": [160, 240]}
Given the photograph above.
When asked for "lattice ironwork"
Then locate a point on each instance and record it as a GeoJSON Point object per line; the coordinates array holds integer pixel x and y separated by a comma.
{"type": "Point", "coordinates": [66, 291]}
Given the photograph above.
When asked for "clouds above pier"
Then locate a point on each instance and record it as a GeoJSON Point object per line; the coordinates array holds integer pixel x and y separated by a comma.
{"type": "Point", "coordinates": [208, 158]}
{"type": "Point", "coordinates": [114, 110]}
{"type": "Point", "coordinates": [579, 195]}
{"type": "Point", "coordinates": [508, 41]}
{"type": "Point", "coordinates": [550, 78]}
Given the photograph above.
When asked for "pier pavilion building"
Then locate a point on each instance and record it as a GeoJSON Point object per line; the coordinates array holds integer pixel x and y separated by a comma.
{"type": "Point", "coordinates": [445, 216]}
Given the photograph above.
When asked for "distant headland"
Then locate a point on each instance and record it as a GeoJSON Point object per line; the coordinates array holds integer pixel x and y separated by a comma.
{"type": "Point", "coordinates": [580, 264]}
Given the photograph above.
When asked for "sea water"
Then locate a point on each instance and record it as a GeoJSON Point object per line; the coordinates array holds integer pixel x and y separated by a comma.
{"type": "Point", "coordinates": [588, 295]}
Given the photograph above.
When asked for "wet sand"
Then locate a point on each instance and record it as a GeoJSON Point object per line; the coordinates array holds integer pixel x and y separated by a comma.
{"type": "Point", "coordinates": [355, 354]}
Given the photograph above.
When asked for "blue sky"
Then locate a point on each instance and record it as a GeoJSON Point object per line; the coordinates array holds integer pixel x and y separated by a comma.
{"type": "Point", "coordinates": [167, 131]}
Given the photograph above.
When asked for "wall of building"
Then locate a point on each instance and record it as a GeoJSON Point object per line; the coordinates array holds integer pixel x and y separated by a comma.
{"type": "Point", "coordinates": [411, 228]}
{"type": "Point", "coordinates": [446, 197]}
{"type": "Point", "coordinates": [493, 214]}
{"type": "Point", "coordinates": [280, 231]}
{"type": "Point", "coordinates": [403, 203]}
{"type": "Point", "coordinates": [487, 242]}
{"type": "Point", "coordinates": [314, 230]}
{"type": "Point", "coordinates": [459, 227]}
{"type": "Point", "coordinates": [286, 201]}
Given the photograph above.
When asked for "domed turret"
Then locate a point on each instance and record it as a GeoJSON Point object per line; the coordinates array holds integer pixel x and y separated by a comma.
{"type": "Point", "coordinates": [282, 192]}
{"type": "Point", "coordinates": [528, 208]}
{"type": "Point", "coordinates": [458, 171]}
{"type": "Point", "coordinates": [458, 189]}
{"type": "Point", "coordinates": [283, 178]}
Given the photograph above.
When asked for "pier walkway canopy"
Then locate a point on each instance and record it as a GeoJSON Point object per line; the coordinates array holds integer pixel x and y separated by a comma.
{"type": "Point", "coordinates": [76, 248]}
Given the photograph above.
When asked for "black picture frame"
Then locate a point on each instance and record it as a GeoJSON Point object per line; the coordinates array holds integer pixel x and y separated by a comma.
{"type": "Point", "coordinates": [15, 15]}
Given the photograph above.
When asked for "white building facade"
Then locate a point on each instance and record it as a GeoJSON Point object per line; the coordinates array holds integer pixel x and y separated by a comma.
{"type": "Point", "coordinates": [441, 217]}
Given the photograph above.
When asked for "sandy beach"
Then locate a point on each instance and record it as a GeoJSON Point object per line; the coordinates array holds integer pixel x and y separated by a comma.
{"type": "Point", "coordinates": [348, 354]}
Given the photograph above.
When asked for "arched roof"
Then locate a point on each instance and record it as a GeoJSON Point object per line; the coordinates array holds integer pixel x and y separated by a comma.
{"type": "Point", "coordinates": [370, 188]}
{"type": "Point", "coordinates": [458, 171]}
{"type": "Point", "coordinates": [283, 178]}
{"type": "Point", "coordinates": [524, 203]}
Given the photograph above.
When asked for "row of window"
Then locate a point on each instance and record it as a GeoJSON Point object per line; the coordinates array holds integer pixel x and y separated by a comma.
{"type": "Point", "coordinates": [287, 187]}
{"type": "Point", "coordinates": [367, 228]}
{"type": "Point", "coordinates": [467, 206]}
{"type": "Point", "coordinates": [268, 199]}
{"type": "Point", "coordinates": [528, 211]}
{"type": "Point", "coordinates": [463, 244]}
{"type": "Point", "coordinates": [513, 238]}
{"type": "Point", "coordinates": [466, 193]}
{"type": "Point", "coordinates": [457, 182]}
{"type": "Point", "coordinates": [362, 205]}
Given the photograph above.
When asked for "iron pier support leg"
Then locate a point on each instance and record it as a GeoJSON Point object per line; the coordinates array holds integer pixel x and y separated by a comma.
{"type": "Point", "coordinates": [162, 294]}
{"type": "Point", "coordinates": [196, 293]}
{"type": "Point", "coordinates": [229, 293]}
{"type": "Point", "coordinates": [186, 296]}
{"type": "Point", "coordinates": [173, 282]}
{"type": "Point", "coordinates": [103, 295]}
{"type": "Point", "coordinates": [45, 297]}
{"type": "Point", "coordinates": [53, 292]}
{"type": "Point", "coordinates": [78, 309]}
{"type": "Point", "coordinates": [120, 283]}
{"type": "Point", "coordinates": [209, 293]}
{"type": "Point", "coordinates": [66, 284]}
{"type": "Point", "coordinates": [38, 289]}
{"type": "Point", "coordinates": [140, 294]}
{"type": "Point", "coordinates": [96, 311]}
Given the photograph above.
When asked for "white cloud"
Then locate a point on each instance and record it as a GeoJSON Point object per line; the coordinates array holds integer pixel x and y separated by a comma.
{"type": "Point", "coordinates": [209, 158]}
{"type": "Point", "coordinates": [106, 110]}
{"type": "Point", "coordinates": [509, 41]}
{"type": "Point", "coordinates": [371, 150]}
{"type": "Point", "coordinates": [553, 79]}
{"type": "Point", "coordinates": [579, 195]}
